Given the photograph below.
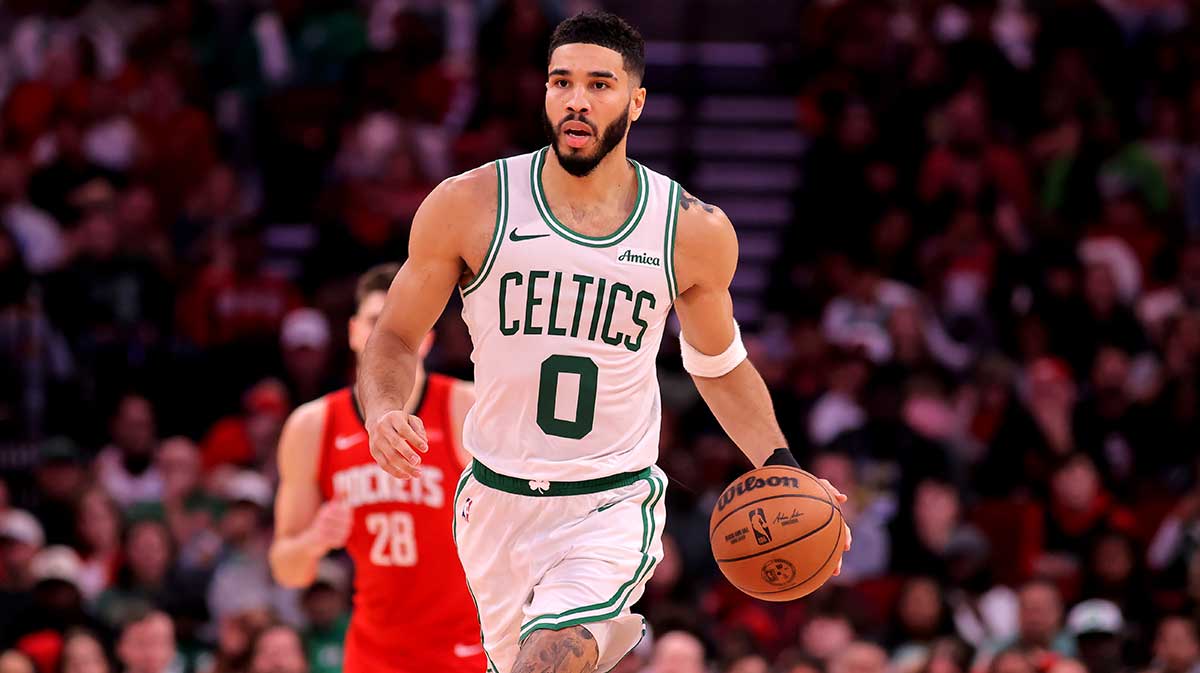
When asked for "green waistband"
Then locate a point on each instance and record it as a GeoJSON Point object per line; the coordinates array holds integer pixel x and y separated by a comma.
{"type": "Point", "coordinates": [502, 482]}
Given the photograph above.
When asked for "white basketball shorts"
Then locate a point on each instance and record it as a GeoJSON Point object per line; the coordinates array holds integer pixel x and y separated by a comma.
{"type": "Point", "coordinates": [552, 555]}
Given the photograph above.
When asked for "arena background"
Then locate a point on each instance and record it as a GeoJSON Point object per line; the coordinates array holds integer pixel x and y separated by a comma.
{"type": "Point", "coordinates": [970, 273]}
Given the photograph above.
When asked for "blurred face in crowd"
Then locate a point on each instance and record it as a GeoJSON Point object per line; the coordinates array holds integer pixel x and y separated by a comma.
{"type": "Point", "coordinates": [678, 652]}
{"type": "Point", "coordinates": [133, 428]}
{"type": "Point", "coordinates": [1099, 288]}
{"type": "Point", "coordinates": [278, 650]}
{"type": "Point", "coordinates": [1177, 645]}
{"type": "Point", "coordinates": [1076, 483]}
{"type": "Point", "coordinates": [98, 522]}
{"type": "Point", "coordinates": [12, 661]}
{"type": "Point", "coordinates": [920, 607]}
{"type": "Point", "coordinates": [968, 120]}
{"type": "Point", "coordinates": [1039, 614]}
{"type": "Point", "coordinates": [323, 604]}
{"type": "Point", "coordinates": [1068, 666]}
{"type": "Point", "coordinates": [826, 635]}
{"type": "Point", "coordinates": [178, 461]}
{"type": "Point", "coordinates": [147, 645]}
{"type": "Point", "coordinates": [860, 657]}
{"type": "Point", "coordinates": [1112, 560]}
{"type": "Point", "coordinates": [364, 319]}
{"type": "Point", "coordinates": [148, 552]}
{"type": "Point", "coordinates": [82, 653]}
{"type": "Point", "coordinates": [590, 102]}
{"type": "Point", "coordinates": [935, 512]}
{"type": "Point", "coordinates": [750, 664]}
{"type": "Point", "coordinates": [98, 235]}
{"type": "Point", "coordinates": [1011, 662]}
{"type": "Point", "coordinates": [668, 572]}
{"type": "Point", "coordinates": [60, 479]}
{"type": "Point", "coordinates": [16, 556]}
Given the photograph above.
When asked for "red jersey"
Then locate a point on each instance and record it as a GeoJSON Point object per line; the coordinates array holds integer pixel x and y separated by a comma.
{"type": "Point", "coordinates": [413, 612]}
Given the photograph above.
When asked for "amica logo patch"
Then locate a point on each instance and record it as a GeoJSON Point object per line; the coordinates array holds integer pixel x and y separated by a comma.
{"type": "Point", "coordinates": [630, 256]}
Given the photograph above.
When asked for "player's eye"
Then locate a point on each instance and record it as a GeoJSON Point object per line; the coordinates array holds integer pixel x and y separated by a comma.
{"type": "Point", "coordinates": [600, 85]}
{"type": "Point", "coordinates": [560, 83]}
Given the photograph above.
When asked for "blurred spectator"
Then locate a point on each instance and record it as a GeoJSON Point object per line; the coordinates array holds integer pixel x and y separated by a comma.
{"type": "Point", "coordinates": [921, 618]}
{"type": "Point", "coordinates": [21, 537]}
{"type": "Point", "coordinates": [1079, 511]}
{"type": "Point", "coordinates": [242, 579]}
{"type": "Point", "coordinates": [39, 237]}
{"type": "Point", "coordinates": [147, 644]}
{"type": "Point", "coordinates": [55, 599]}
{"type": "Point", "coordinates": [1099, 631]}
{"type": "Point", "coordinates": [126, 466]}
{"type": "Point", "coordinates": [859, 657]}
{"type": "Point", "coordinates": [327, 612]}
{"type": "Point", "coordinates": [825, 635]}
{"type": "Point", "coordinates": [277, 649]}
{"type": "Point", "coordinates": [83, 653]}
{"type": "Point", "coordinates": [678, 652]}
{"type": "Point", "coordinates": [98, 530]}
{"type": "Point", "coordinates": [59, 477]}
{"type": "Point", "coordinates": [1176, 646]}
{"type": "Point", "coordinates": [14, 661]}
{"type": "Point", "coordinates": [305, 341]}
{"type": "Point", "coordinates": [1039, 625]}
{"type": "Point", "coordinates": [248, 440]}
{"type": "Point", "coordinates": [142, 580]}
{"type": "Point", "coordinates": [749, 664]}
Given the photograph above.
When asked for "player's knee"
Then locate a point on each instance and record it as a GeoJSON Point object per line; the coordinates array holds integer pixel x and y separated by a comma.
{"type": "Point", "coordinates": [571, 650]}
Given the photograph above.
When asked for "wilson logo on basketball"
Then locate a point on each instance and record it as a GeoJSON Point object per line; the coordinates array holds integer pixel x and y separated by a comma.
{"type": "Point", "coordinates": [752, 483]}
{"type": "Point", "coordinates": [758, 522]}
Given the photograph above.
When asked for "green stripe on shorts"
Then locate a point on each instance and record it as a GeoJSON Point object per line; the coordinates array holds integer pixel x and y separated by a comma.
{"type": "Point", "coordinates": [577, 616]}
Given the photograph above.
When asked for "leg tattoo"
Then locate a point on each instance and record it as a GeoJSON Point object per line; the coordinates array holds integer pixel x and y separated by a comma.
{"type": "Point", "coordinates": [572, 650]}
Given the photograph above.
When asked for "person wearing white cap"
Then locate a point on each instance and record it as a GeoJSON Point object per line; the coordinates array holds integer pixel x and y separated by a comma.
{"type": "Point", "coordinates": [21, 537]}
{"type": "Point", "coordinates": [1098, 627]}
{"type": "Point", "coordinates": [305, 340]}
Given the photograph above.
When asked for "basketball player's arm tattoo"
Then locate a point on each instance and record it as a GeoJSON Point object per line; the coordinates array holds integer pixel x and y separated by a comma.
{"type": "Point", "coordinates": [687, 201]}
{"type": "Point", "coordinates": [571, 650]}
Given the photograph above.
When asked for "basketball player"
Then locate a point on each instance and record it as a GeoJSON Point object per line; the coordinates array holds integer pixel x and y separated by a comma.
{"type": "Point", "coordinates": [568, 261]}
{"type": "Point", "coordinates": [412, 612]}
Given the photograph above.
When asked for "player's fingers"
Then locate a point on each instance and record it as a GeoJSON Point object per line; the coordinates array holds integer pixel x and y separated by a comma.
{"type": "Point", "coordinates": [418, 427]}
{"type": "Point", "coordinates": [841, 497]}
{"type": "Point", "coordinates": [849, 537]}
{"type": "Point", "coordinates": [391, 462]}
{"type": "Point", "coordinates": [411, 436]}
{"type": "Point", "coordinates": [838, 571]}
{"type": "Point", "coordinates": [400, 443]}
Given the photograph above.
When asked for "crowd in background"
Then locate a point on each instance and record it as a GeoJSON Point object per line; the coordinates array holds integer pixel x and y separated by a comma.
{"type": "Point", "coordinates": [984, 325]}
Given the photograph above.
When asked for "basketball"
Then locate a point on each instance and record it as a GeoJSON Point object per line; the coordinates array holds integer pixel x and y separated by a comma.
{"type": "Point", "coordinates": [776, 533]}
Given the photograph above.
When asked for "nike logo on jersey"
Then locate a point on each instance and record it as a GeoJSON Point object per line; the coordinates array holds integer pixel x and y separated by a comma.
{"type": "Point", "coordinates": [514, 236]}
{"type": "Point", "coordinates": [343, 442]}
{"type": "Point", "coordinates": [462, 651]}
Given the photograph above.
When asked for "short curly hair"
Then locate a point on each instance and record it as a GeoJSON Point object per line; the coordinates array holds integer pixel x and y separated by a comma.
{"type": "Point", "coordinates": [606, 30]}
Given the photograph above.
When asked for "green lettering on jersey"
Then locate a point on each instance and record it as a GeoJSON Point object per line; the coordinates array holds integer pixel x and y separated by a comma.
{"type": "Point", "coordinates": [596, 310]}
{"type": "Point", "coordinates": [614, 340]}
{"type": "Point", "coordinates": [531, 301]}
{"type": "Point", "coordinates": [639, 320]}
{"type": "Point", "coordinates": [514, 276]}
{"type": "Point", "coordinates": [583, 281]}
{"type": "Point", "coordinates": [553, 329]}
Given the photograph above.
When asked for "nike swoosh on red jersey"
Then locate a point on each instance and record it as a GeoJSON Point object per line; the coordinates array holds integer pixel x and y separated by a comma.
{"type": "Point", "coordinates": [463, 651]}
{"type": "Point", "coordinates": [343, 442]}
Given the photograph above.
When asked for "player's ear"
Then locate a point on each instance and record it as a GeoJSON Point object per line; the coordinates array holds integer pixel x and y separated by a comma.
{"type": "Point", "coordinates": [637, 102]}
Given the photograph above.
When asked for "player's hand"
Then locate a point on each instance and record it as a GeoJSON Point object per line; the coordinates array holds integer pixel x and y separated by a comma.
{"type": "Point", "coordinates": [331, 526]}
{"type": "Point", "coordinates": [841, 497]}
{"type": "Point", "coordinates": [396, 437]}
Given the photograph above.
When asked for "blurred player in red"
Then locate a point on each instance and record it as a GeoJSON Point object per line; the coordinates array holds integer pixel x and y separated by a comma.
{"type": "Point", "coordinates": [413, 612]}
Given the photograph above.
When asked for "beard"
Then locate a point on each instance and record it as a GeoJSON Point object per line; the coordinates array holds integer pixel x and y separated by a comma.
{"type": "Point", "coordinates": [577, 164]}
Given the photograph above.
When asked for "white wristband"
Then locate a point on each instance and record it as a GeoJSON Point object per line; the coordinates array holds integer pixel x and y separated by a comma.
{"type": "Point", "coordinates": [712, 366]}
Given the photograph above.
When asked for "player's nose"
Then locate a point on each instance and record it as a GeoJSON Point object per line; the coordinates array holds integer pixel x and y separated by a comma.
{"type": "Point", "coordinates": [578, 102]}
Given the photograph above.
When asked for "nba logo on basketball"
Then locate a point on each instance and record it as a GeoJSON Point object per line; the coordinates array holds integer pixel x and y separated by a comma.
{"type": "Point", "coordinates": [758, 522]}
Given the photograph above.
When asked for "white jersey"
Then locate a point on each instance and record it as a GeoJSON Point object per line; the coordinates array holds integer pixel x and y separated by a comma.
{"type": "Point", "coordinates": [566, 329]}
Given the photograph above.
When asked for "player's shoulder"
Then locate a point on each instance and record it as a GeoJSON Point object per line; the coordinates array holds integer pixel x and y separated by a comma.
{"type": "Point", "coordinates": [469, 189]}
{"type": "Point", "coordinates": [308, 417]}
{"type": "Point", "coordinates": [704, 236]}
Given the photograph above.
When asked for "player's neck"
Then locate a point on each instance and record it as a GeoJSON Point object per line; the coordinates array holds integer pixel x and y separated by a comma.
{"type": "Point", "coordinates": [600, 186]}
